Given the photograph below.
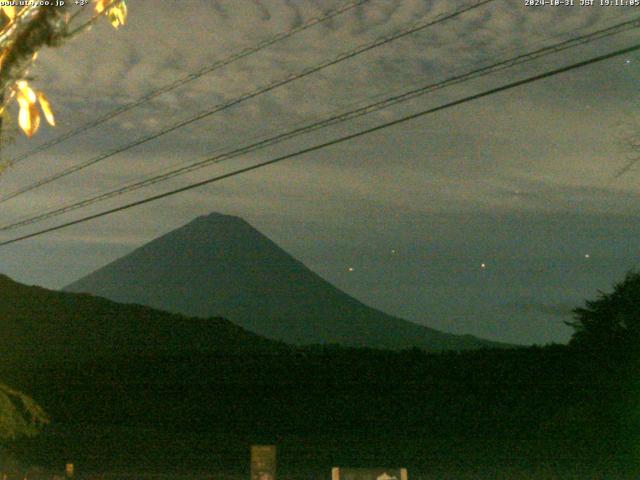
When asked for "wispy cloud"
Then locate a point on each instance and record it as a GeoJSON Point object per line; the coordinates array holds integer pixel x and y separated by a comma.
{"type": "Point", "coordinates": [546, 150]}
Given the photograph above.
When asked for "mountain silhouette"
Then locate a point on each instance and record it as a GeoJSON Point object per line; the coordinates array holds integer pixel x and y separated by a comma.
{"type": "Point", "coordinates": [39, 325]}
{"type": "Point", "coordinates": [219, 265]}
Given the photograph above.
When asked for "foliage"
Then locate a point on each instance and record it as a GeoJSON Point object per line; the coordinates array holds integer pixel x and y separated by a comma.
{"type": "Point", "coordinates": [128, 382]}
{"type": "Point", "coordinates": [20, 415]}
{"type": "Point", "coordinates": [24, 31]}
{"type": "Point", "coordinates": [612, 320]}
{"type": "Point", "coordinates": [531, 406]}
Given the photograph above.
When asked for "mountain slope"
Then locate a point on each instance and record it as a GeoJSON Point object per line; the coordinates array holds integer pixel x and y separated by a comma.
{"type": "Point", "coordinates": [220, 265]}
{"type": "Point", "coordinates": [38, 324]}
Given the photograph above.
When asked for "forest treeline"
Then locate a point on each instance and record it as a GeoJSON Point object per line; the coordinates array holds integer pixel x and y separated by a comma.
{"type": "Point", "coordinates": [525, 406]}
{"type": "Point", "coordinates": [568, 407]}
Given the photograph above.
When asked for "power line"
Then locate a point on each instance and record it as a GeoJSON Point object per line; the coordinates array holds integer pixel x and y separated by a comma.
{"type": "Point", "coordinates": [247, 96]}
{"type": "Point", "coordinates": [335, 119]}
{"type": "Point", "coordinates": [336, 141]}
{"type": "Point", "coordinates": [279, 37]}
{"type": "Point", "coordinates": [629, 165]}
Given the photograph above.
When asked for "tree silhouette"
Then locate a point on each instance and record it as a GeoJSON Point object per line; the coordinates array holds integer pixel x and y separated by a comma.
{"type": "Point", "coordinates": [20, 415]}
{"type": "Point", "coordinates": [25, 30]}
{"type": "Point", "coordinates": [612, 320]}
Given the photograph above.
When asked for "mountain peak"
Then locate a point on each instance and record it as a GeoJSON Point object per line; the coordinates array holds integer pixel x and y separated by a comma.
{"type": "Point", "coordinates": [216, 217]}
{"type": "Point", "coordinates": [217, 222]}
{"type": "Point", "coordinates": [220, 265]}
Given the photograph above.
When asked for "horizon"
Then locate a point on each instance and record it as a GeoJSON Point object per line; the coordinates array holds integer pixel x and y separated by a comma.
{"type": "Point", "coordinates": [554, 310]}
{"type": "Point", "coordinates": [494, 218]}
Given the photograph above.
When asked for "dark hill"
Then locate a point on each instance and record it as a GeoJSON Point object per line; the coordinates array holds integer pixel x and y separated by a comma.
{"type": "Point", "coordinates": [133, 389]}
{"type": "Point", "coordinates": [37, 324]}
{"type": "Point", "coordinates": [221, 265]}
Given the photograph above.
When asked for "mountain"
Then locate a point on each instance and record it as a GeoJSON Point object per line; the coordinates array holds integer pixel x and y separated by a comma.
{"type": "Point", "coordinates": [39, 325]}
{"type": "Point", "coordinates": [220, 265]}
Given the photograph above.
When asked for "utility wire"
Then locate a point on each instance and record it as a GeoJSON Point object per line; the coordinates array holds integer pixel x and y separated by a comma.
{"type": "Point", "coordinates": [628, 166]}
{"type": "Point", "coordinates": [333, 120]}
{"type": "Point", "coordinates": [279, 37]}
{"type": "Point", "coordinates": [247, 96]}
{"type": "Point", "coordinates": [336, 141]}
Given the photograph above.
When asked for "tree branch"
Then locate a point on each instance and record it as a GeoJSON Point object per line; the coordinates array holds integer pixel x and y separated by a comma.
{"type": "Point", "coordinates": [35, 27]}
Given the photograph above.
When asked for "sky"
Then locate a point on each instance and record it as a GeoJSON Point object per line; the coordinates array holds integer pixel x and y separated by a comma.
{"type": "Point", "coordinates": [495, 218]}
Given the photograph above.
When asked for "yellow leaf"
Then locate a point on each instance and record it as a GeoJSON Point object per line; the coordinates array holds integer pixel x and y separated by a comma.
{"type": "Point", "coordinates": [28, 118]}
{"type": "Point", "coordinates": [101, 5]}
{"type": "Point", "coordinates": [3, 55]}
{"type": "Point", "coordinates": [118, 14]}
{"type": "Point", "coordinates": [46, 109]}
{"type": "Point", "coordinates": [9, 11]}
{"type": "Point", "coordinates": [25, 92]}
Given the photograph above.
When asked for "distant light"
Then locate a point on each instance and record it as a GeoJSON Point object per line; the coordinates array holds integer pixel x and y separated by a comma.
{"type": "Point", "coordinates": [393, 252]}
{"type": "Point", "coordinates": [627, 61]}
{"type": "Point", "coordinates": [586, 255]}
{"type": "Point", "coordinates": [483, 265]}
{"type": "Point", "coordinates": [350, 269]}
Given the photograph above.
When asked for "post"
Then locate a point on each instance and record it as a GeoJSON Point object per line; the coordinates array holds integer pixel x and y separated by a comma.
{"type": "Point", "coordinates": [263, 462]}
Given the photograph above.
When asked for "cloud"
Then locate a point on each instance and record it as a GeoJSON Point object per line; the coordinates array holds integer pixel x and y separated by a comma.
{"type": "Point", "coordinates": [558, 310]}
{"type": "Point", "coordinates": [501, 174]}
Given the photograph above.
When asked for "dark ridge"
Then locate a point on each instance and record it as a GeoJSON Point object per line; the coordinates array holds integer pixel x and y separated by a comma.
{"type": "Point", "coordinates": [39, 324]}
